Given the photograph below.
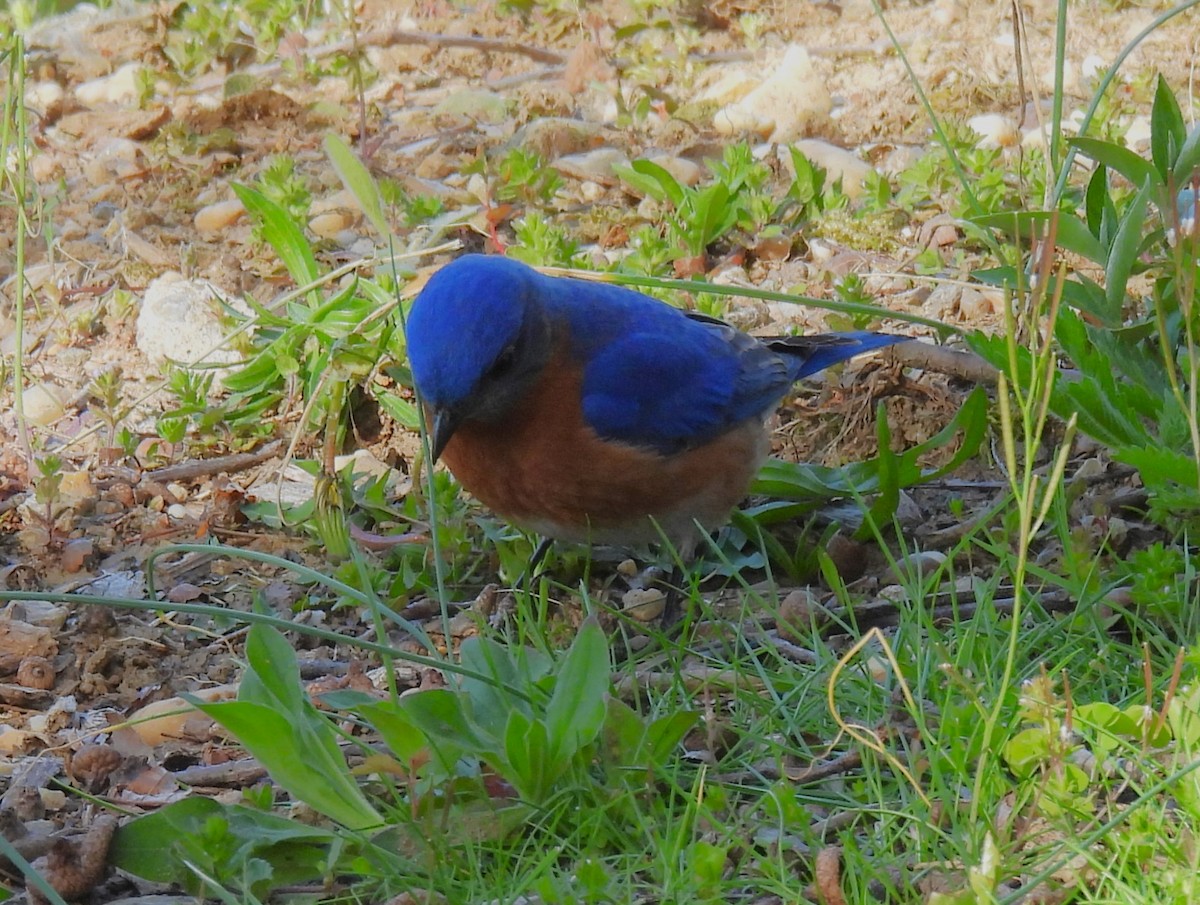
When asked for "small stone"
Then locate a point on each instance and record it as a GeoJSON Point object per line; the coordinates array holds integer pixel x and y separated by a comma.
{"type": "Point", "coordinates": [799, 613]}
{"type": "Point", "coordinates": [76, 553]}
{"type": "Point", "coordinates": [327, 226]}
{"type": "Point", "coordinates": [728, 86]}
{"type": "Point", "coordinates": [849, 557]}
{"type": "Point", "coordinates": [77, 490]}
{"type": "Point", "coordinates": [554, 137]}
{"type": "Point", "coordinates": [46, 99]}
{"type": "Point", "coordinates": [477, 187]}
{"type": "Point", "coordinates": [43, 404]}
{"type": "Point", "coordinates": [119, 88]}
{"type": "Point", "coordinates": [1138, 134]}
{"type": "Point", "coordinates": [117, 158]}
{"type": "Point", "coordinates": [177, 511]}
{"type": "Point", "coordinates": [994, 130]}
{"type": "Point", "coordinates": [785, 106]}
{"type": "Point", "coordinates": [627, 568]}
{"type": "Point", "coordinates": [686, 172]}
{"type": "Point", "coordinates": [475, 104]}
{"type": "Point", "coordinates": [944, 235]}
{"type": "Point", "coordinates": [975, 304]}
{"type": "Point", "coordinates": [180, 321]}
{"type": "Point", "coordinates": [838, 163]}
{"type": "Point", "coordinates": [644, 604]}
{"type": "Point", "coordinates": [45, 167]}
{"type": "Point", "coordinates": [1090, 469]}
{"type": "Point", "coordinates": [1093, 67]}
{"type": "Point", "coordinates": [921, 564]}
{"type": "Point", "coordinates": [184, 592]}
{"type": "Point", "coordinates": [215, 217]}
{"type": "Point", "coordinates": [878, 669]}
{"type": "Point", "coordinates": [941, 301]}
{"type": "Point", "coordinates": [595, 166]}
{"type": "Point", "coordinates": [947, 12]}
{"type": "Point", "coordinates": [36, 672]}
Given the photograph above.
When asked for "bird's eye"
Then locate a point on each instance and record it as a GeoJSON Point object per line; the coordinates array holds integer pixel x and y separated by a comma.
{"type": "Point", "coordinates": [504, 362]}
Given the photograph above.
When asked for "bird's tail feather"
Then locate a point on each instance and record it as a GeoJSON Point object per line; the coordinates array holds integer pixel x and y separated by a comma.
{"type": "Point", "coordinates": [806, 355]}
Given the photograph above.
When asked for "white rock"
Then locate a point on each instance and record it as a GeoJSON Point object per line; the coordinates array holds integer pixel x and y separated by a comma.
{"type": "Point", "coordinates": [121, 87]}
{"type": "Point", "coordinates": [728, 86]}
{"type": "Point", "coordinates": [45, 168]}
{"type": "Point", "coordinates": [919, 563]}
{"type": "Point", "coordinates": [685, 171]}
{"type": "Point", "coordinates": [644, 604]}
{"type": "Point", "coordinates": [947, 12]}
{"type": "Point", "coordinates": [1093, 67]}
{"type": "Point", "coordinates": [215, 217]}
{"type": "Point", "coordinates": [328, 225]}
{"type": "Point", "coordinates": [1137, 136]}
{"type": "Point", "coordinates": [45, 97]}
{"type": "Point", "coordinates": [477, 186]}
{"type": "Point", "coordinates": [43, 404]}
{"type": "Point", "coordinates": [180, 321]}
{"type": "Point", "coordinates": [941, 301]}
{"type": "Point", "coordinates": [475, 104]}
{"type": "Point", "coordinates": [784, 106]}
{"type": "Point", "coordinates": [838, 163]}
{"type": "Point", "coordinates": [994, 130]}
{"type": "Point", "coordinates": [971, 304]}
{"type": "Point", "coordinates": [115, 157]}
{"type": "Point", "coordinates": [596, 166]}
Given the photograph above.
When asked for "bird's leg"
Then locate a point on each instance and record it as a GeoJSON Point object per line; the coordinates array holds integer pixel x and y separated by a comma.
{"type": "Point", "coordinates": [672, 611]}
{"type": "Point", "coordinates": [681, 558]}
{"type": "Point", "coordinates": [527, 577]}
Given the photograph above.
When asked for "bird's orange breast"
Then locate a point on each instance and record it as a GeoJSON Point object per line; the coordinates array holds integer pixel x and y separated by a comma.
{"type": "Point", "coordinates": [546, 470]}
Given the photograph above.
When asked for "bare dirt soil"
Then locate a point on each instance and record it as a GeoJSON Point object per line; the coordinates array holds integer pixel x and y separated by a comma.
{"type": "Point", "coordinates": [132, 175]}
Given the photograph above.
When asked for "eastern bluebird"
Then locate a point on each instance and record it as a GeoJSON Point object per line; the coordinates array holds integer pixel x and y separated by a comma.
{"type": "Point", "coordinates": [587, 412]}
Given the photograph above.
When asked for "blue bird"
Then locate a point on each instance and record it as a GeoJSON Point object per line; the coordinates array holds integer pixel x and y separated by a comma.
{"type": "Point", "coordinates": [592, 413]}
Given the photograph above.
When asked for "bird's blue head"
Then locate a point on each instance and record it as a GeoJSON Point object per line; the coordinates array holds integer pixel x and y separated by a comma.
{"type": "Point", "coordinates": [478, 336]}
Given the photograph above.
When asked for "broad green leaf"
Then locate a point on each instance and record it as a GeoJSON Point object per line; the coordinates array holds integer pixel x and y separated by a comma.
{"type": "Point", "coordinates": [533, 769]}
{"type": "Point", "coordinates": [1188, 159]}
{"type": "Point", "coordinates": [278, 724]}
{"type": "Point", "coordinates": [884, 505]}
{"type": "Point", "coordinates": [1160, 467]}
{"type": "Point", "coordinates": [1123, 254]}
{"type": "Point", "coordinates": [150, 846]}
{"type": "Point", "coordinates": [1116, 157]}
{"type": "Point", "coordinates": [1167, 130]}
{"type": "Point", "coordinates": [575, 713]}
{"type": "Point", "coordinates": [1097, 200]}
{"type": "Point", "coordinates": [358, 180]}
{"type": "Point", "coordinates": [715, 214]}
{"type": "Point", "coordinates": [399, 409]}
{"type": "Point", "coordinates": [653, 180]}
{"type": "Point", "coordinates": [439, 713]}
{"type": "Point", "coordinates": [301, 755]}
{"type": "Point", "coordinates": [665, 734]}
{"type": "Point", "coordinates": [624, 732]}
{"type": "Point", "coordinates": [1026, 751]}
{"type": "Point", "coordinates": [491, 701]}
{"type": "Point", "coordinates": [1070, 233]}
{"type": "Point", "coordinates": [283, 235]}
{"type": "Point", "coordinates": [398, 731]}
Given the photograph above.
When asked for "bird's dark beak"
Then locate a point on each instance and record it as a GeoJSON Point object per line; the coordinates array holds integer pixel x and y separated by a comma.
{"type": "Point", "coordinates": [445, 423]}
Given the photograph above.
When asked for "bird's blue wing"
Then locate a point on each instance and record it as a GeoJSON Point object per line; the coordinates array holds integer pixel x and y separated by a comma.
{"type": "Point", "coordinates": [671, 392]}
